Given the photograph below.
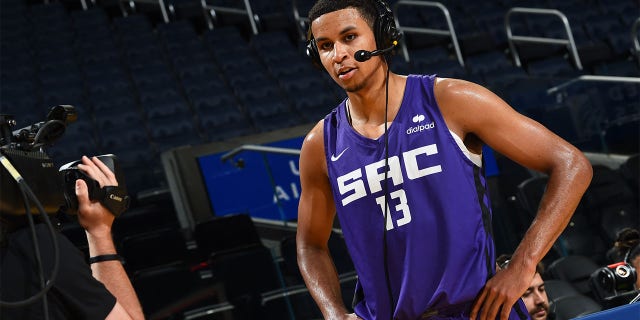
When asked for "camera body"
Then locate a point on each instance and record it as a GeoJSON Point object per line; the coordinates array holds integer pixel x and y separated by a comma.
{"type": "Point", "coordinates": [38, 170]}
{"type": "Point", "coordinates": [614, 285]}
{"type": "Point", "coordinates": [25, 158]}
{"type": "Point", "coordinates": [70, 173]}
{"type": "Point", "coordinates": [24, 150]}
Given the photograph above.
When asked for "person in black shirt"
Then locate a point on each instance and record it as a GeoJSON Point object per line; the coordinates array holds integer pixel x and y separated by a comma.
{"type": "Point", "coordinates": [99, 290]}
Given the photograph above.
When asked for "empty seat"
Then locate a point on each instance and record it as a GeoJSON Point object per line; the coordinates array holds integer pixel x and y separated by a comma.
{"type": "Point", "coordinates": [170, 289]}
{"type": "Point", "coordinates": [247, 273]}
{"type": "Point", "coordinates": [445, 69]}
{"type": "Point", "coordinates": [558, 289]}
{"type": "Point", "coordinates": [630, 171]}
{"type": "Point", "coordinates": [153, 248]}
{"type": "Point", "coordinates": [572, 307]}
{"type": "Point", "coordinates": [528, 96]}
{"type": "Point", "coordinates": [555, 66]}
{"type": "Point", "coordinates": [581, 237]}
{"type": "Point", "coordinates": [225, 233]}
{"type": "Point", "coordinates": [487, 63]}
{"type": "Point", "coordinates": [175, 131]}
{"type": "Point", "coordinates": [574, 269]}
{"type": "Point", "coordinates": [611, 203]}
{"type": "Point", "coordinates": [620, 68]}
{"type": "Point", "coordinates": [226, 39]}
{"type": "Point", "coordinates": [303, 304]}
{"type": "Point", "coordinates": [530, 193]}
{"type": "Point", "coordinates": [143, 218]}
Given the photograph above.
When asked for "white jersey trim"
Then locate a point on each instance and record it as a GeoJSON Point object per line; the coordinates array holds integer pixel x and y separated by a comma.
{"type": "Point", "coordinates": [474, 157]}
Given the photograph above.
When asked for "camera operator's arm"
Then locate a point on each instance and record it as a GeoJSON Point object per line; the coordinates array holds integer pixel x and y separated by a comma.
{"type": "Point", "coordinates": [97, 221]}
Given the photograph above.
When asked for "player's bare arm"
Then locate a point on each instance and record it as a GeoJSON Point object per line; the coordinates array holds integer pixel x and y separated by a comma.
{"type": "Point", "coordinates": [316, 212]}
{"type": "Point", "coordinates": [479, 116]}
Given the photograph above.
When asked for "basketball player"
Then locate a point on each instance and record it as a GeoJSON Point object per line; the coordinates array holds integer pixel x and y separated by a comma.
{"type": "Point", "coordinates": [419, 233]}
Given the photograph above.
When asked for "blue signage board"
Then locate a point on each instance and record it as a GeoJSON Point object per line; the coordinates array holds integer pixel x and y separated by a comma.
{"type": "Point", "coordinates": [264, 185]}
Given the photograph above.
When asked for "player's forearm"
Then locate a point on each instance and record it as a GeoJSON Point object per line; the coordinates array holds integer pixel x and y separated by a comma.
{"type": "Point", "coordinates": [567, 183]}
{"type": "Point", "coordinates": [321, 278]}
{"type": "Point", "coordinates": [112, 274]}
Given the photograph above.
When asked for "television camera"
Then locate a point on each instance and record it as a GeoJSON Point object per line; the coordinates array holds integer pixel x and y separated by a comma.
{"type": "Point", "coordinates": [614, 285]}
{"type": "Point", "coordinates": [24, 160]}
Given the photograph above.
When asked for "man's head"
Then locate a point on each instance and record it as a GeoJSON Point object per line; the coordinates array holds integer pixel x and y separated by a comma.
{"type": "Point", "coordinates": [626, 239]}
{"type": "Point", "coordinates": [340, 28]}
{"type": "Point", "coordinates": [535, 298]}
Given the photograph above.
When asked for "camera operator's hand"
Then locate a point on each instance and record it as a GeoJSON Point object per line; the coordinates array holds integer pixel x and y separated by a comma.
{"type": "Point", "coordinates": [97, 222]}
{"type": "Point", "coordinates": [93, 216]}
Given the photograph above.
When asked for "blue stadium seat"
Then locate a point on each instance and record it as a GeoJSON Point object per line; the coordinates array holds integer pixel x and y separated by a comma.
{"type": "Point", "coordinates": [575, 269]}
{"type": "Point", "coordinates": [114, 136]}
{"type": "Point", "coordinates": [620, 68]}
{"type": "Point", "coordinates": [182, 289]}
{"type": "Point", "coordinates": [154, 248]}
{"type": "Point", "coordinates": [553, 67]}
{"type": "Point", "coordinates": [576, 306]}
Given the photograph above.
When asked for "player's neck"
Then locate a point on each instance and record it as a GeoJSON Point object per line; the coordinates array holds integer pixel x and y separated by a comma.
{"type": "Point", "coordinates": [368, 105]}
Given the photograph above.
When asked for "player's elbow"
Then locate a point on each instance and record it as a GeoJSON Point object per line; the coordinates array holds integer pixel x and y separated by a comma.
{"type": "Point", "coordinates": [579, 169]}
{"type": "Point", "coordinates": [307, 250]}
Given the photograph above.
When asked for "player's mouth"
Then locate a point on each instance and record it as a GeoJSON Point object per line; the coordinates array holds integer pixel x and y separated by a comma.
{"type": "Point", "coordinates": [346, 73]}
{"type": "Point", "coordinates": [540, 314]}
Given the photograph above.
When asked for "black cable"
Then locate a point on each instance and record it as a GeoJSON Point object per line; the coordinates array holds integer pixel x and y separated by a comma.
{"type": "Point", "coordinates": [36, 249]}
{"type": "Point", "coordinates": [386, 198]}
{"type": "Point", "coordinates": [28, 194]}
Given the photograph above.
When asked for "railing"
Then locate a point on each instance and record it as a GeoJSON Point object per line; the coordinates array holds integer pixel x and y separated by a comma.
{"type": "Point", "coordinates": [512, 39]}
{"type": "Point", "coordinates": [210, 13]}
{"type": "Point", "coordinates": [208, 10]}
{"type": "Point", "coordinates": [302, 21]}
{"type": "Point", "coordinates": [634, 38]}
{"type": "Point", "coordinates": [253, 147]}
{"type": "Point", "coordinates": [563, 85]}
{"type": "Point", "coordinates": [293, 290]}
{"type": "Point", "coordinates": [450, 31]}
{"type": "Point", "coordinates": [208, 310]}
{"type": "Point", "coordinates": [285, 292]}
{"type": "Point", "coordinates": [132, 4]}
{"type": "Point", "coordinates": [591, 78]}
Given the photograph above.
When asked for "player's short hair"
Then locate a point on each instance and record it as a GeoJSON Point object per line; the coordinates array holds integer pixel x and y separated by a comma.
{"type": "Point", "coordinates": [367, 9]}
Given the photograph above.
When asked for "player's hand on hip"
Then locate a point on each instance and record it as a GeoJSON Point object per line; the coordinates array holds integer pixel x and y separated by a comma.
{"type": "Point", "coordinates": [500, 293]}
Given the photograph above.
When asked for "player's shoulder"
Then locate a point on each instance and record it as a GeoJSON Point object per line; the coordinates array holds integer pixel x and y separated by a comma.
{"type": "Point", "coordinates": [456, 92]}
{"type": "Point", "coordinates": [312, 154]}
{"type": "Point", "coordinates": [453, 86]}
{"type": "Point", "coordinates": [315, 136]}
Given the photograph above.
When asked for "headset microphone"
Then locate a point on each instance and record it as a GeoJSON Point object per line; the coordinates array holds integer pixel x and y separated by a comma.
{"type": "Point", "coordinates": [364, 55]}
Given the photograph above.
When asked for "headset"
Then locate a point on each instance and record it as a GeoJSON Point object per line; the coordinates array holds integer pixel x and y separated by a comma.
{"type": "Point", "coordinates": [385, 32]}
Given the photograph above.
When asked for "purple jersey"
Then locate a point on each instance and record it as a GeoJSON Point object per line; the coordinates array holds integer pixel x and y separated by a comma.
{"type": "Point", "coordinates": [440, 249]}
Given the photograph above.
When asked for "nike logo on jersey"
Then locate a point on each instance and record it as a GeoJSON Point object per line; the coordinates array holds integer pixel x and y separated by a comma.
{"type": "Point", "coordinates": [335, 158]}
